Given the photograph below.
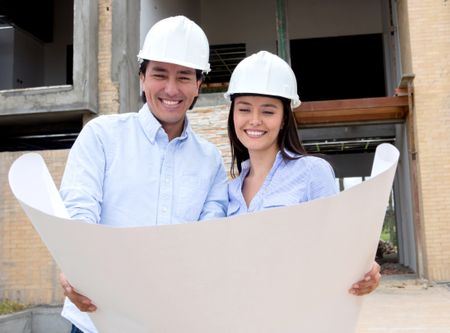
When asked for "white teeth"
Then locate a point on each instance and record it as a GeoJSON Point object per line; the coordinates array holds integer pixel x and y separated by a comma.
{"type": "Point", "coordinates": [167, 102]}
{"type": "Point", "coordinates": [254, 133]}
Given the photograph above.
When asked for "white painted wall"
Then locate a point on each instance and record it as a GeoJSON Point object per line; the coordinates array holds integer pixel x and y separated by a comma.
{"type": "Point", "coordinates": [240, 21]}
{"type": "Point", "coordinates": [155, 10]}
{"type": "Point", "coordinates": [253, 21]}
{"type": "Point", "coordinates": [327, 18]}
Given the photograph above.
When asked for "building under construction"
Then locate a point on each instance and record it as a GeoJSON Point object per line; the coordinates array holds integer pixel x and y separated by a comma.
{"type": "Point", "coordinates": [369, 71]}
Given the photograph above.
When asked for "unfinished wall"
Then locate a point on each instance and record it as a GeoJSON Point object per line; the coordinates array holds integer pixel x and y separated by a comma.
{"type": "Point", "coordinates": [28, 274]}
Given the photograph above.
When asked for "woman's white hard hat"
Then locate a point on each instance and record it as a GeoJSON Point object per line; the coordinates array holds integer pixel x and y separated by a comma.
{"type": "Point", "coordinates": [177, 40]}
{"type": "Point", "coordinates": [264, 73]}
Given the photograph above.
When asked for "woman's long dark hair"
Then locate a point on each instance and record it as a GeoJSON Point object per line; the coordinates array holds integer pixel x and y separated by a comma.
{"type": "Point", "coordinates": [288, 139]}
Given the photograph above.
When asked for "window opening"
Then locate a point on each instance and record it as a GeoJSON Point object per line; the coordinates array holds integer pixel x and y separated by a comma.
{"type": "Point", "coordinates": [223, 59]}
{"type": "Point", "coordinates": [34, 43]}
{"type": "Point", "coordinates": [39, 134]}
{"type": "Point", "coordinates": [341, 67]}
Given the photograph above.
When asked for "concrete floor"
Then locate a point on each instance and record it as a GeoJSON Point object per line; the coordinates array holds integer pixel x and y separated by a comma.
{"type": "Point", "coordinates": [402, 304]}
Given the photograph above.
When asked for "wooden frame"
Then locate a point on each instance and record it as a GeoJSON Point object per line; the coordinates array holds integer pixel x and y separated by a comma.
{"type": "Point", "coordinates": [351, 111]}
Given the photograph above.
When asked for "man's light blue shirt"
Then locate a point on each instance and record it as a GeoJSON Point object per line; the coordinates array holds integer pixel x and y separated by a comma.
{"type": "Point", "coordinates": [289, 182]}
{"type": "Point", "coordinates": [124, 171]}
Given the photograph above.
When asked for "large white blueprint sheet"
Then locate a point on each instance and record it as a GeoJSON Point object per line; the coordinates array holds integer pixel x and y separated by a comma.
{"type": "Point", "coordinates": [282, 270]}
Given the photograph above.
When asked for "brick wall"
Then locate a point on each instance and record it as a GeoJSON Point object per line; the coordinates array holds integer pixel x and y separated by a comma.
{"type": "Point", "coordinates": [429, 32]}
{"type": "Point", "coordinates": [28, 274]}
{"type": "Point", "coordinates": [211, 124]}
{"type": "Point", "coordinates": [108, 91]}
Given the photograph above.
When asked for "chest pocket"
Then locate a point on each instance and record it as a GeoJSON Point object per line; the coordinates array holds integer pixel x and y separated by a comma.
{"type": "Point", "coordinates": [193, 190]}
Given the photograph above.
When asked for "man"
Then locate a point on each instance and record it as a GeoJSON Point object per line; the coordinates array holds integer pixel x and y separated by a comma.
{"type": "Point", "coordinates": [147, 168]}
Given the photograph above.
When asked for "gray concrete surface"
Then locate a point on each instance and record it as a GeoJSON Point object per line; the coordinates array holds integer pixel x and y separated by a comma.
{"type": "Point", "coordinates": [403, 304]}
{"type": "Point", "coordinates": [40, 319]}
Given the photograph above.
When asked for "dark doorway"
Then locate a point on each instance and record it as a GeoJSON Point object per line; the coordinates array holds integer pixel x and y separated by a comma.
{"type": "Point", "coordinates": [339, 67]}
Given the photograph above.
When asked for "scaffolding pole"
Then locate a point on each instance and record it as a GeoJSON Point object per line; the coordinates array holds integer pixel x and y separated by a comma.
{"type": "Point", "coordinates": [282, 32]}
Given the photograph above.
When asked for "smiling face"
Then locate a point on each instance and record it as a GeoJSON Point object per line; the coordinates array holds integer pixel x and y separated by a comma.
{"type": "Point", "coordinates": [257, 121]}
{"type": "Point", "coordinates": [170, 90]}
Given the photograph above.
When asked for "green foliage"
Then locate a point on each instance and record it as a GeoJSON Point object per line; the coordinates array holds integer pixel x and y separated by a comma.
{"type": "Point", "coordinates": [7, 306]}
{"type": "Point", "coordinates": [206, 90]}
{"type": "Point", "coordinates": [389, 232]}
{"type": "Point", "coordinates": [385, 236]}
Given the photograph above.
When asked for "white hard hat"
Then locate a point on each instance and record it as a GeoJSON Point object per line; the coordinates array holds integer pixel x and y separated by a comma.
{"type": "Point", "coordinates": [177, 40]}
{"type": "Point", "coordinates": [266, 74]}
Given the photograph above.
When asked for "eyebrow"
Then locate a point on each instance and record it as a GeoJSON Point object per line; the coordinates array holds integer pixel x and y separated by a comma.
{"type": "Point", "coordinates": [187, 72]}
{"type": "Point", "coordinates": [183, 71]}
{"type": "Point", "coordinates": [264, 105]}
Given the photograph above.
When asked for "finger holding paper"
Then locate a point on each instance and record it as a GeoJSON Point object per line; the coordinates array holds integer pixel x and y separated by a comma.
{"type": "Point", "coordinates": [82, 302]}
{"type": "Point", "coordinates": [369, 283]}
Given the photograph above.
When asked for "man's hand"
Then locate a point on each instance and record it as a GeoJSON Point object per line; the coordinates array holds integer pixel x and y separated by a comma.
{"type": "Point", "coordinates": [369, 283]}
{"type": "Point", "coordinates": [82, 302]}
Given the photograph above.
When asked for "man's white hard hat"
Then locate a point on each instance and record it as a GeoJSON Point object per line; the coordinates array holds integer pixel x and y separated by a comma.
{"type": "Point", "coordinates": [264, 73]}
{"type": "Point", "coordinates": [177, 40]}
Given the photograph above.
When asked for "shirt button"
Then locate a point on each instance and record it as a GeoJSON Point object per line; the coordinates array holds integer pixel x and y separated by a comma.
{"type": "Point", "coordinates": [164, 210]}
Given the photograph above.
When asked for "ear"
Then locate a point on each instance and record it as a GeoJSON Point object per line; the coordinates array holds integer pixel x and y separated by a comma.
{"type": "Point", "coordinates": [199, 86]}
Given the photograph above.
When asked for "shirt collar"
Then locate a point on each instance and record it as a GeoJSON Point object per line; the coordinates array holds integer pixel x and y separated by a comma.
{"type": "Point", "coordinates": [245, 165]}
{"type": "Point", "coordinates": [152, 126]}
{"type": "Point", "coordinates": [186, 129]}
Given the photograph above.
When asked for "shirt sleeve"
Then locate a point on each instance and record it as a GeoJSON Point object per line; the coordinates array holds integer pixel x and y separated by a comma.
{"type": "Point", "coordinates": [216, 203]}
{"type": "Point", "coordinates": [322, 180]}
{"type": "Point", "coordinates": [82, 183]}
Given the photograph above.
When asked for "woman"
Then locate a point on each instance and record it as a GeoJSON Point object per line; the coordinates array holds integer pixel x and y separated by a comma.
{"type": "Point", "coordinates": [269, 165]}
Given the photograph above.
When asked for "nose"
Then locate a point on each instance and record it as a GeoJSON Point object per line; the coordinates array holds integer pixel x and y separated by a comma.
{"type": "Point", "coordinates": [171, 88]}
{"type": "Point", "coordinates": [255, 119]}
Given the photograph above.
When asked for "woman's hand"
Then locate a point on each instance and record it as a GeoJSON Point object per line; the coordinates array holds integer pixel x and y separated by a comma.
{"type": "Point", "coordinates": [369, 283]}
